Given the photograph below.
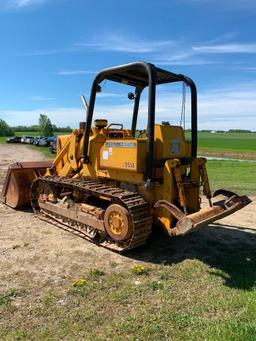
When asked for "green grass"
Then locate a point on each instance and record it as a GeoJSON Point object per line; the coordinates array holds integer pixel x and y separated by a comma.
{"type": "Point", "coordinates": [184, 300]}
{"type": "Point", "coordinates": [240, 142]}
{"type": "Point", "coordinates": [237, 176]}
{"type": "Point", "coordinates": [27, 133]}
{"type": "Point", "coordinates": [9, 295]}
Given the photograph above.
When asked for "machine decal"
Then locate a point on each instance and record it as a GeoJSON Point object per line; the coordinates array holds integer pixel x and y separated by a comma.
{"type": "Point", "coordinates": [105, 155]}
{"type": "Point", "coordinates": [121, 144]}
{"type": "Point", "coordinates": [175, 146]}
{"type": "Point", "coordinates": [130, 165]}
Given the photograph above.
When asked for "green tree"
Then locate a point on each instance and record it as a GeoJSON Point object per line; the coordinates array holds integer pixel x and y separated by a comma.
{"type": "Point", "coordinates": [5, 130]}
{"type": "Point", "coordinates": [45, 125]}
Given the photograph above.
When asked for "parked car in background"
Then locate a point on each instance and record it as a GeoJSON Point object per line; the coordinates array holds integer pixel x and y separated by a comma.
{"type": "Point", "coordinates": [36, 140]}
{"type": "Point", "coordinates": [13, 139]}
{"type": "Point", "coordinates": [53, 146]}
{"type": "Point", "coordinates": [45, 141]}
{"type": "Point", "coordinates": [42, 141]}
{"type": "Point", "coordinates": [27, 139]}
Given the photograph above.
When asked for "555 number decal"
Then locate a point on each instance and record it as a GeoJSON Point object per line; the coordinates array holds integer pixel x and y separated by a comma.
{"type": "Point", "coordinates": [129, 165]}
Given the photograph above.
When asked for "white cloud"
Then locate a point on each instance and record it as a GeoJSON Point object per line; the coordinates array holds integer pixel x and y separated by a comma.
{"type": "Point", "coordinates": [162, 52]}
{"type": "Point", "coordinates": [107, 43]}
{"type": "Point", "coordinates": [109, 94]}
{"type": "Point", "coordinates": [179, 60]}
{"type": "Point", "coordinates": [247, 68]}
{"type": "Point", "coordinates": [75, 72]}
{"type": "Point", "coordinates": [221, 108]}
{"type": "Point", "coordinates": [182, 56]}
{"type": "Point", "coordinates": [18, 4]}
{"type": "Point", "coordinates": [226, 48]}
{"type": "Point", "coordinates": [119, 43]}
{"type": "Point", "coordinates": [40, 98]}
{"type": "Point", "coordinates": [50, 52]}
{"type": "Point", "coordinates": [60, 116]}
{"type": "Point", "coordinates": [197, 54]}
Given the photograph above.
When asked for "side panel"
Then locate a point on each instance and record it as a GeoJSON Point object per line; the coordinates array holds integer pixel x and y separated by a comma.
{"type": "Point", "coordinates": [170, 142]}
{"type": "Point", "coordinates": [124, 154]}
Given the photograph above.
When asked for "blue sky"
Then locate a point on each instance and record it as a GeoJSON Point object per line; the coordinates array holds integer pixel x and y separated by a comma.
{"type": "Point", "coordinates": [52, 49]}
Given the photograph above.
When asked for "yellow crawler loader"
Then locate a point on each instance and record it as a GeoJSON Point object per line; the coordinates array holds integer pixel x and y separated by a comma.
{"type": "Point", "coordinates": [111, 185]}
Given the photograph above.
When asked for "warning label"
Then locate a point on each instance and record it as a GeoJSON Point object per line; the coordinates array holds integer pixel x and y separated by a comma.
{"type": "Point", "coordinates": [121, 144]}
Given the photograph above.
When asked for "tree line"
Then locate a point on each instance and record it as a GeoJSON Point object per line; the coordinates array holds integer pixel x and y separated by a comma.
{"type": "Point", "coordinates": [44, 127]}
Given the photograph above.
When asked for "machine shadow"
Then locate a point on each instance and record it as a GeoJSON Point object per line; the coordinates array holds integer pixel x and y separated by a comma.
{"type": "Point", "coordinates": [231, 253]}
{"type": "Point", "coordinates": [229, 250]}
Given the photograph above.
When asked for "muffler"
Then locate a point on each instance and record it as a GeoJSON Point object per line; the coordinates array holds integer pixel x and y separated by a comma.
{"type": "Point", "coordinates": [18, 180]}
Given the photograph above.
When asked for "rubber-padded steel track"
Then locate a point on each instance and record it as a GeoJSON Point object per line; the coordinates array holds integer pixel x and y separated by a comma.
{"type": "Point", "coordinates": [132, 201]}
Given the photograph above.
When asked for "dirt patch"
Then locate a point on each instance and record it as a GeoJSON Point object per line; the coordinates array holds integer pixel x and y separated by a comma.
{"type": "Point", "coordinates": [229, 154]}
{"type": "Point", "coordinates": [37, 255]}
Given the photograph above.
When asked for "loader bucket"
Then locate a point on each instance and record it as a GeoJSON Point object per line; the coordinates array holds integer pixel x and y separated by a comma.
{"type": "Point", "coordinates": [224, 204]}
{"type": "Point", "coordinates": [18, 180]}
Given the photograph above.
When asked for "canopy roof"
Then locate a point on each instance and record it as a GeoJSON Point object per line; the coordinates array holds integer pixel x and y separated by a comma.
{"type": "Point", "coordinates": [137, 74]}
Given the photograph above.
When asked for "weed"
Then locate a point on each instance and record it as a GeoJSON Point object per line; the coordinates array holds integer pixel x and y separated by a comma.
{"type": "Point", "coordinates": [20, 335]}
{"type": "Point", "coordinates": [79, 283]}
{"type": "Point", "coordinates": [9, 295]}
{"type": "Point", "coordinates": [139, 270]}
{"type": "Point", "coordinates": [155, 285]}
{"type": "Point", "coordinates": [47, 300]}
{"type": "Point", "coordinates": [96, 273]}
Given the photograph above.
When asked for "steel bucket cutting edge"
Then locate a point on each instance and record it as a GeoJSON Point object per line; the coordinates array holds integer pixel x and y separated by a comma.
{"type": "Point", "coordinates": [18, 180]}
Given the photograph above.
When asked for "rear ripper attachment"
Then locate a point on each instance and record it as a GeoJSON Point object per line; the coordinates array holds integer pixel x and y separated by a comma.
{"type": "Point", "coordinates": [223, 204]}
{"type": "Point", "coordinates": [112, 217]}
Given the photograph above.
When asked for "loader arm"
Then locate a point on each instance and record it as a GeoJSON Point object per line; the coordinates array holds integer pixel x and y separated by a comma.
{"type": "Point", "coordinates": [67, 159]}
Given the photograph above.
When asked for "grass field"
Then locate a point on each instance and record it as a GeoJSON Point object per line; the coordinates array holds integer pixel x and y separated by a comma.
{"type": "Point", "coordinates": [237, 176]}
{"type": "Point", "coordinates": [169, 298]}
{"type": "Point", "coordinates": [27, 133]}
{"type": "Point", "coordinates": [244, 142]}
{"type": "Point", "coordinates": [228, 145]}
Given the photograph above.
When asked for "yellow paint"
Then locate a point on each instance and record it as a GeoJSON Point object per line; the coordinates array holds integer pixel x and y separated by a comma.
{"type": "Point", "coordinates": [124, 154]}
{"type": "Point", "coordinates": [122, 159]}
